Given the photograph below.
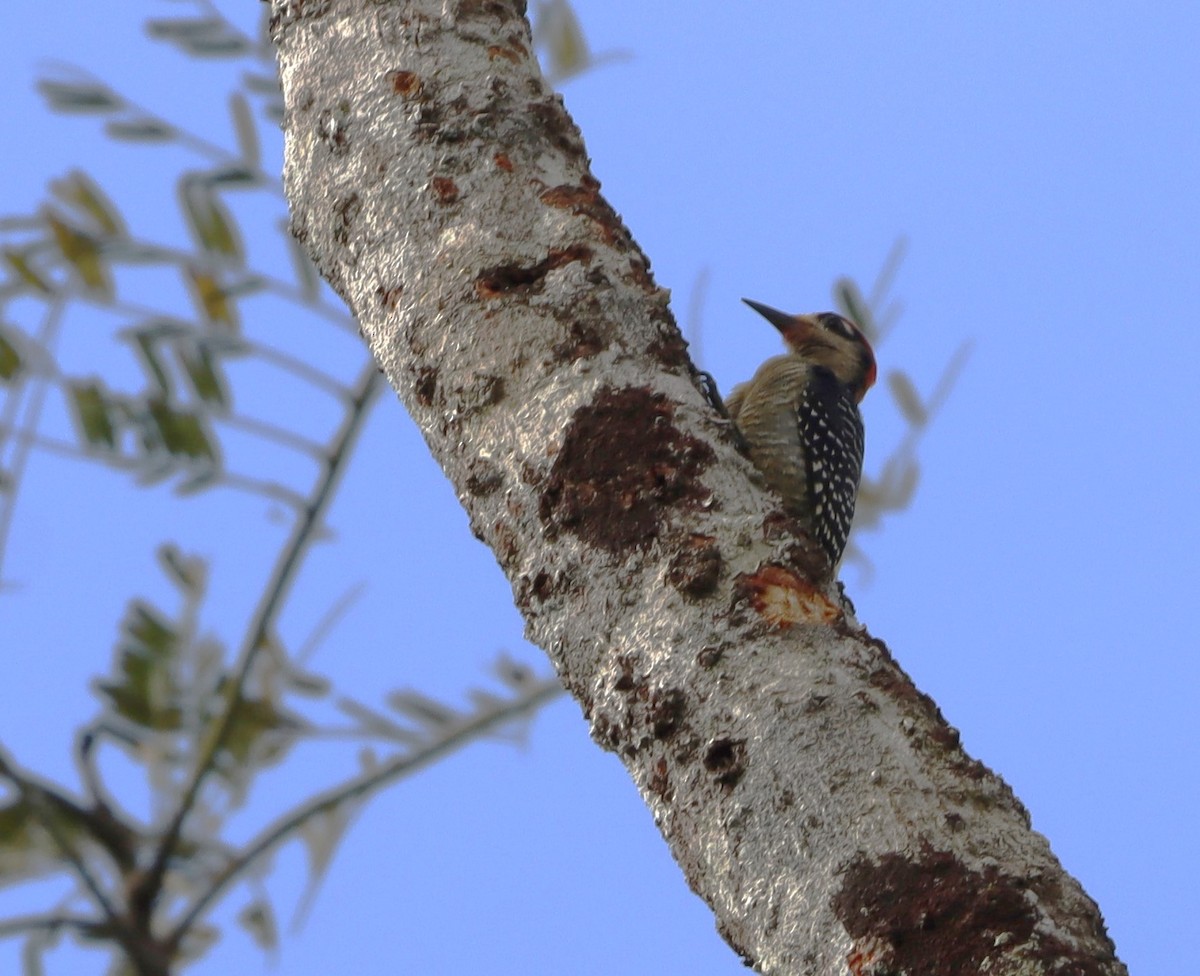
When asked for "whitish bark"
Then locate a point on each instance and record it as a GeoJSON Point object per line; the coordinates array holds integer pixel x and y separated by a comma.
{"type": "Point", "coordinates": [813, 797]}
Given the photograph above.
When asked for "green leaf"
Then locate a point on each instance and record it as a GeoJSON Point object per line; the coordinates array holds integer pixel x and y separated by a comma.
{"type": "Point", "coordinates": [204, 478]}
{"type": "Point", "coordinates": [558, 33]}
{"type": "Point", "coordinates": [159, 329]}
{"type": "Point", "coordinates": [14, 822]}
{"type": "Point", "coordinates": [145, 690]}
{"type": "Point", "coordinates": [211, 298]}
{"type": "Point", "coordinates": [147, 628]}
{"type": "Point", "coordinates": [246, 129]}
{"type": "Point", "coordinates": [260, 84]}
{"type": "Point", "coordinates": [261, 734]}
{"type": "Point", "coordinates": [10, 359]}
{"type": "Point", "coordinates": [140, 129]}
{"type": "Point", "coordinates": [20, 264]}
{"type": "Point", "coordinates": [423, 709]}
{"type": "Point", "coordinates": [258, 919]}
{"type": "Point", "coordinates": [147, 350]}
{"type": "Point", "coordinates": [907, 399]}
{"type": "Point", "coordinates": [79, 97]}
{"type": "Point", "coordinates": [174, 28]}
{"type": "Point", "coordinates": [189, 573]}
{"type": "Point", "coordinates": [181, 432]}
{"type": "Point", "coordinates": [93, 412]}
{"type": "Point", "coordinates": [84, 194]}
{"type": "Point", "coordinates": [26, 849]}
{"type": "Point", "coordinates": [247, 285]}
{"type": "Point", "coordinates": [321, 834]}
{"type": "Point", "coordinates": [205, 377]}
{"type": "Point", "coordinates": [307, 276]}
{"type": "Point", "coordinates": [850, 303]}
{"type": "Point", "coordinates": [208, 219]}
{"type": "Point", "coordinates": [82, 252]}
{"type": "Point", "coordinates": [237, 175]}
{"type": "Point", "coordinates": [199, 36]}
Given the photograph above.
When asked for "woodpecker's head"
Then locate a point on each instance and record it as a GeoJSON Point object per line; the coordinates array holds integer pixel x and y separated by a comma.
{"type": "Point", "coordinates": [826, 339]}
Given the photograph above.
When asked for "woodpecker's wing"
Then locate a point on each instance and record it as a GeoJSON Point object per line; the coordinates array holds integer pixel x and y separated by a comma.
{"type": "Point", "coordinates": [733, 402]}
{"type": "Point", "coordinates": [831, 430]}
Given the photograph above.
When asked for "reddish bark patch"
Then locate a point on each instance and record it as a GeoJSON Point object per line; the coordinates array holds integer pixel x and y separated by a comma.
{"type": "Point", "coordinates": [622, 467]}
{"type": "Point", "coordinates": [507, 278]}
{"type": "Point", "coordinates": [543, 586]}
{"type": "Point", "coordinates": [696, 568]}
{"type": "Point", "coordinates": [577, 199]}
{"type": "Point", "coordinates": [479, 9]}
{"type": "Point", "coordinates": [445, 189]}
{"type": "Point", "coordinates": [389, 298]}
{"type": "Point", "coordinates": [484, 479]}
{"type": "Point", "coordinates": [669, 348]}
{"type": "Point", "coordinates": [893, 682]}
{"type": "Point", "coordinates": [584, 341]}
{"type": "Point", "coordinates": [345, 215]}
{"type": "Point", "coordinates": [667, 707]}
{"type": "Point", "coordinates": [405, 83]}
{"type": "Point", "coordinates": [804, 554]}
{"type": "Point", "coordinates": [783, 599]}
{"type": "Point", "coordinates": [930, 914]}
{"type": "Point", "coordinates": [553, 124]}
{"type": "Point", "coordinates": [517, 43]}
{"type": "Point", "coordinates": [496, 51]}
{"type": "Point", "coordinates": [505, 544]}
{"type": "Point", "coordinates": [585, 200]}
{"type": "Point", "coordinates": [502, 161]}
{"type": "Point", "coordinates": [627, 680]}
{"type": "Point", "coordinates": [659, 782]}
{"type": "Point", "coordinates": [425, 387]}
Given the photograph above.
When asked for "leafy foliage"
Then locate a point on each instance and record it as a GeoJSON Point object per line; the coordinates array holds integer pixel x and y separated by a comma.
{"type": "Point", "coordinates": [202, 721]}
{"type": "Point", "coordinates": [893, 489]}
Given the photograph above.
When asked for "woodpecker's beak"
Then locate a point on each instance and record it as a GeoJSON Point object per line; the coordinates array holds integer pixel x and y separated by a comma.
{"type": "Point", "coordinates": [795, 329]}
{"type": "Point", "coordinates": [781, 320]}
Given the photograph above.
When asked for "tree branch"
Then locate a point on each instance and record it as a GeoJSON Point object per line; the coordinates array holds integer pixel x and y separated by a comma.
{"type": "Point", "coordinates": [813, 797]}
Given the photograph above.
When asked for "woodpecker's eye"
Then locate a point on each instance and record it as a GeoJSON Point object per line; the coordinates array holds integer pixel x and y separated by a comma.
{"type": "Point", "coordinates": [837, 325]}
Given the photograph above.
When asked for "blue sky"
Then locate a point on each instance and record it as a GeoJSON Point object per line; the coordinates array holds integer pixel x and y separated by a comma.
{"type": "Point", "coordinates": [1041, 161]}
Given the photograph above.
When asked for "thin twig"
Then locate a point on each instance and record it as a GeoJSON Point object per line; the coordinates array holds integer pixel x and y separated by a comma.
{"type": "Point", "coordinates": [286, 826]}
{"type": "Point", "coordinates": [285, 361]}
{"type": "Point", "coordinates": [20, 457]}
{"type": "Point", "coordinates": [25, 924]}
{"type": "Point", "coordinates": [272, 432]}
{"type": "Point", "coordinates": [226, 479]}
{"type": "Point", "coordinates": [274, 597]}
{"type": "Point", "coordinates": [326, 310]}
{"type": "Point", "coordinates": [327, 622]}
{"type": "Point", "coordinates": [39, 800]}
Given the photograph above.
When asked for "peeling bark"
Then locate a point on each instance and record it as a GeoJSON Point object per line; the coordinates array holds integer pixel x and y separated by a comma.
{"type": "Point", "coordinates": [812, 795]}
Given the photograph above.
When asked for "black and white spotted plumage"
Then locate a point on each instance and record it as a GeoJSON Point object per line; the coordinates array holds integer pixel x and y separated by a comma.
{"type": "Point", "coordinates": [800, 421]}
{"type": "Point", "coordinates": [831, 432]}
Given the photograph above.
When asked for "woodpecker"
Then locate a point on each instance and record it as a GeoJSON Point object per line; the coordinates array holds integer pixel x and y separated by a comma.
{"type": "Point", "coordinates": [800, 421]}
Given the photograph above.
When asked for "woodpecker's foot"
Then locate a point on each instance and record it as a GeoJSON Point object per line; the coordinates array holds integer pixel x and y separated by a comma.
{"type": "Point", "coordinates": [708, 389]}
